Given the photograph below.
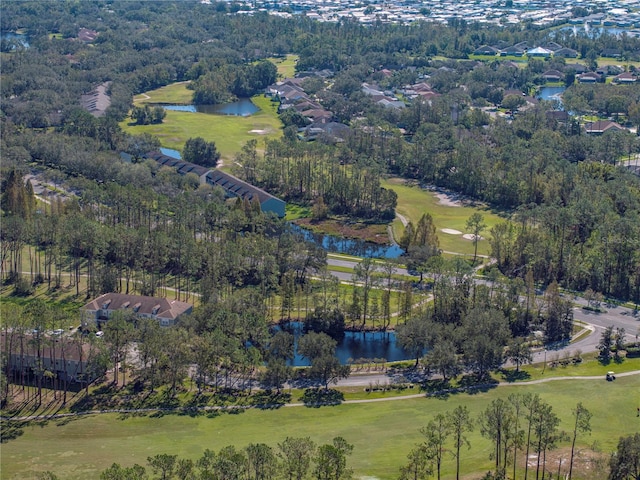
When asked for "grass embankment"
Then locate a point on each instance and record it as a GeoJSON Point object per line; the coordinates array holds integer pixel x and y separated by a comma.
{"type": "Point", "coordinates": [230, 133]}
{"type": "Point", "coordinates": [286, 65]}
{"type": "Point", "coordinates": [414, 201]}
{"type": "Point", "coordinates": [382, 432]}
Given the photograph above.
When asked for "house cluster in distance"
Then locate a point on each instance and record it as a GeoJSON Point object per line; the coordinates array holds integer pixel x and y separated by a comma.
{"type": "Point", "coordinates": [618, 13]}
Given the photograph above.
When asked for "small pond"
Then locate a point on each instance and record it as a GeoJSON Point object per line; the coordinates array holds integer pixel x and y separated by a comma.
{"type": "Point", "coordinates": [14, 38]}
{"type": "Point", "coordinates": [551, 93]}
{"type": "Point", "coordinates": [349, 246]}
{"type": "Point", "coordinates": [356, 345]}
{"type": "Point", "coordinates": [242, 108]}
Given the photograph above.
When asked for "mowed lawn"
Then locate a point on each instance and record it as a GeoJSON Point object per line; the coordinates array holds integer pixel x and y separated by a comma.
{"type": "Point", "coordinates": [230, 133]}
{"type": "Point", "coordinates": [177, 93]}
{"type": "Point", "coordinates": [414, 201]}
{"type": "Point", "coordinates": [286, 65]}
{"type": "Point", "coordinates": [382, 433]}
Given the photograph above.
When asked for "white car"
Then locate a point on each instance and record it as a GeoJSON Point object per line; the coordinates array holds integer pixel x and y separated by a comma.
{"type": "Point", "coordinates": [99, 333]}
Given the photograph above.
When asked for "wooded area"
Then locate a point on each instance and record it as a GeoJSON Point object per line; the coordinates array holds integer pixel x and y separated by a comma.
{"type": "Point", "coordinates": [572, 213]}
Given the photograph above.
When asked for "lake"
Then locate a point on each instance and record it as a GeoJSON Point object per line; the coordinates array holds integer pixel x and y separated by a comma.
{"type": "Point", "coordinates": [349, 246]}
{"type": "Point", "coordinates": [242, 108]}
{"type": "Point", "coordinates": [355, 345]}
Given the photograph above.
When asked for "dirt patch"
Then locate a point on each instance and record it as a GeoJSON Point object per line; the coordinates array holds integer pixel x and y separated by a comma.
{"type": "Point", "coordinates": [369, 232]}
{"type": "Point", "coordinates": [587, 463]}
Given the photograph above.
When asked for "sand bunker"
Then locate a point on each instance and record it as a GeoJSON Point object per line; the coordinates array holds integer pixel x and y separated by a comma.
{"type": "Point", "coordinates": [448, 200]}
{"type": "Point", "coordinates": [259, 132]}
{"type": "Point", "coordinates": [471, 236]}
{"type": "Point", "coordinates": [451, 231]}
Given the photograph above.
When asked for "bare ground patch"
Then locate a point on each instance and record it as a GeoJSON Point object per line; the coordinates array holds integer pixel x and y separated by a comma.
{"type": "Point", "coordinates": [587, 463]}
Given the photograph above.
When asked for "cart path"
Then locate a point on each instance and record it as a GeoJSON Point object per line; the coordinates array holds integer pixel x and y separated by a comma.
{"type": "Point", "coordinates": [346, 402]}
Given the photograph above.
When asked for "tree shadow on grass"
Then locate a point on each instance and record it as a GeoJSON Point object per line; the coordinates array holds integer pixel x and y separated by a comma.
{"type": "Point", "coordinates": [514, 376]}
{"type": "Point", "coordinates": [472, 384]}
{"type": "Point", "coordinates": [320, 397]}
{"type": "Point", "coordinates": [269, 400]}
{"type": "Point", "coordinates": [11, 431]}
{"type": "Point", "coordinates": [438, 388]}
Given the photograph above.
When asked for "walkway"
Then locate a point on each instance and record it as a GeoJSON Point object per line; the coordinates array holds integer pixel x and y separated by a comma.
{"type": "Point", "coordinates": [291, 405]}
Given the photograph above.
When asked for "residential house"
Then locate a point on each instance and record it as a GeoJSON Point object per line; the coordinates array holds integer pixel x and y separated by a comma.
{"type": "Point", "coordinates": [553, 46]}
{"type": "Point", "coordinates": [372, 90]}
{"type": "Point", "coordinates": [566, 53]}
{"type": "Point", "coordinates": [236, 188]}
{"type": "Point", "coordinates": [602, 126]}
{"type": "Point", "coordinates": [539, 52]}
{"type": "Point", "coordinates": [609, 70]}
{"type": "Point", "coordinates": [611, 53]}
{"type": "Point", "coordinates": [510, 64]}
{"type": "Point", "coordinates": [287, 92]}
{"type": "Point", "coordinates": [589, 77]}
{"type": "Point", "coordinates": [317, 115]}
{"type": "Point", "coordinates": [306, 105]}
{"type": "Point", "coordinates": [97, 312]}
{"type": "Point", "coordinates": [181, 166]}
{"type": "Point", "coordinates": [486, 50]}
{"type": "Point", "coordinates": [67, 359]}
{"type": "Point", "coordinates": [559, 116]}
{"type": "Point", "coordinates": [233, 187]}
{"type": "Point", "coordinates": [332, 132]}
{"type": "Point", "coordinates": [512, 51]}
{"type": "Point", "coordinates": [625, 78]}
{"type": "Point", "coordinates": [388, 102]}
{"type": "Point", "coordinates": [553, 75]}
{"type": "Point", "coordinates": [578, 68]}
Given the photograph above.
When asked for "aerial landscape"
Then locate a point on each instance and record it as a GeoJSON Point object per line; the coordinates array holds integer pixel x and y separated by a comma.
{"type": "Point", "coordinates": [325, 240]}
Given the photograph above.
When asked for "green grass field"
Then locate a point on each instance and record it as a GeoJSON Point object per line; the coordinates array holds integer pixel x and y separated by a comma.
{"type": "Point", "coordinates": [382, 433]}
{"type": "Point", "coordinates": [286, 66]}
{"type": "Point", "coordinates": [175, 93]}
{"type": "Point", "coordinates": [230, 133]}
{"type": "Point", "coordinates": [413, 202]}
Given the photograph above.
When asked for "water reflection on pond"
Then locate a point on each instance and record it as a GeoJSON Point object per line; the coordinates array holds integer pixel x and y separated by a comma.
{"type": "Point", "coordinates": [349, 246]}
{"type": "Point", "coordinates": [354, 346]}
{"type": "Point", "coordinates": [242, 108]}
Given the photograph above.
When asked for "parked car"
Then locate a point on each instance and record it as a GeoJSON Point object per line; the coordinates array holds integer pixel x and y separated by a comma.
{"type": "Point", "coordinates": [99, 333]}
